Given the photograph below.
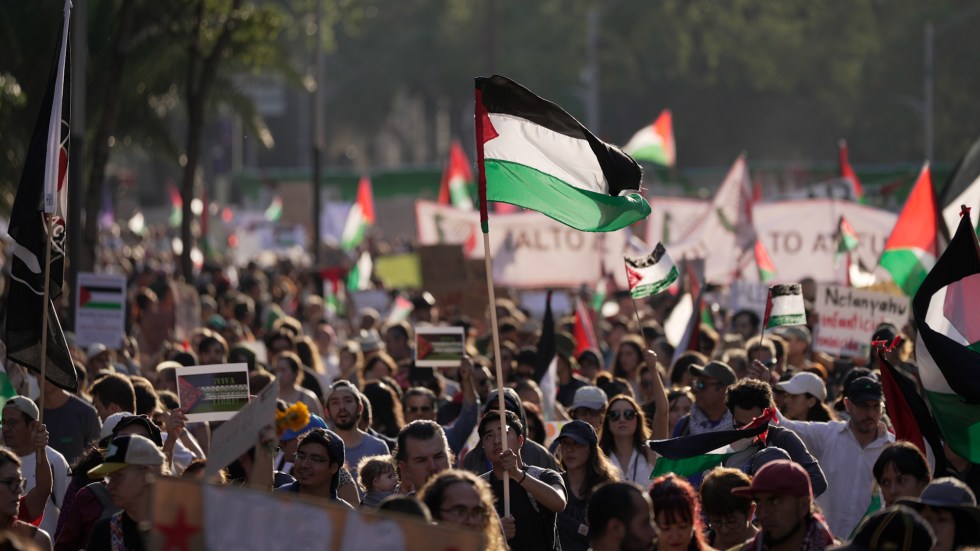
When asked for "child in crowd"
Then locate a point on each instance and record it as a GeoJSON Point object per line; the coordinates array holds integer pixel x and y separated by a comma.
{"type": "Point", "coordinates": [376, 474]}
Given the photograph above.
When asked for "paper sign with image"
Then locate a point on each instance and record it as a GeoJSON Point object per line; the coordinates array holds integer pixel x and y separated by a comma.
{"type": "Point", "coordinates": [439, 346]}
{"type": "Point", "coordinates": [212, 392]}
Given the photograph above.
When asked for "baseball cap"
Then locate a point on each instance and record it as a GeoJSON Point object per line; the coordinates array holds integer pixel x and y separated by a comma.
{"type": "Point", "coordinates": [863, 389]}
{"type": "Point", "coordinates": [109, 425]}
{"type": "Point", "coordinates": [341, 386]}
{"type": "Point", "coordinates": [947, 493]}
{"type": "Point", "coordinates": [805, 382]}
{"type": "Point", "coordinates": [316, 422]}
{"type": "Point", "coordinates": [801, 332]}
{"type": "Point", "coordinates": [330, 440]}
{"type": "Point", "coordinates": [897, 527]}
{"type": "Point", "coordinates": [591, 397]}
{"type": "Point", "coordinates": [24, 404]}
{"type": "Point", "coordinates": [578, 431]}
{"type": "Point", "coordinates": [718, 370]}
{"type": "Point", "coordinates": [778, 477]}
{"type": "Point", "coordinates": [125, 451]}
{"type": "Point", "coordinates": [142, 421]}
{"type": "Point", "coordinates": [95, 349]}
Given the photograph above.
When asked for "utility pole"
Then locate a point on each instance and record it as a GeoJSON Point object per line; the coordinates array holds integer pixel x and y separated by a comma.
{"type": "Point", "coordinates": [928, 91]}
{"type": "Point", "coordinates": [318, 137]}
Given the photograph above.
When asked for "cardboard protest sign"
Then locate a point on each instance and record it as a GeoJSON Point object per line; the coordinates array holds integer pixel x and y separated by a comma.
{"type": "Point", "coordinates": [212, 392]}
{"type": "Point", "coordinates": [193, 516]}
{"type": "Point", "coordinates": [100, 309]}
{"type": "Point", "coordinates": [848, 317]}
{"type": "Point", "coordinates": [399, 271]}
{"type": "Point", "coordinates": [439, 346]}
{"type": "Point", "coordinates": [443, 268]}
{"type": "Point", "coordinates": [240, 433]}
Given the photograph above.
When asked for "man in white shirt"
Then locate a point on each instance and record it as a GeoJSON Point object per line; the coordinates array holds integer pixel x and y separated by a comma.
{"type": "Point", "coordinates": [20, 421]}
{"type": "Point", "coordinates": [847, 451]}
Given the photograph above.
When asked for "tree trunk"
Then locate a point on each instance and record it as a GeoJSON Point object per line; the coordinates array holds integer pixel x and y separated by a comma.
{"type": "Point", "coordinates": [100, 145]}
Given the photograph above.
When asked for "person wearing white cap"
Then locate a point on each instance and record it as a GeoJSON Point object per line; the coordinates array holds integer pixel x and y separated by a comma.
{"type": "Point", "coordinates": [98, 359]}
{"type": "Point", "coordinates": [804, 400]}
{"type": "Point", "coordinates": [20, 433]}
{"type": "Point", "coordinates": [131, 464]}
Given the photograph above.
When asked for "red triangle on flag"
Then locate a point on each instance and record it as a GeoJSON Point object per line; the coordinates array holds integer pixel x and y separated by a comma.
{"type": "Point", "coordinates": [633, 276]}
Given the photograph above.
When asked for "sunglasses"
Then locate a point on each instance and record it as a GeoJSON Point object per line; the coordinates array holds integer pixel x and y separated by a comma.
{"type": "Point", "coordinates": [700, 385]}
{"type": "Point", "coordinates": [629, 415]}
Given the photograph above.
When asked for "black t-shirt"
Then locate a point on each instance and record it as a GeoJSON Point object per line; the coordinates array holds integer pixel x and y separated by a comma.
{"type": "Point", "coordinates": [572, 530]}
{"type": "Point", "coordinates": [101, 538]}
{"type": "Point", "coordinates": [72, 427]}
{"type": "Point", "coordinates": [536, 526]}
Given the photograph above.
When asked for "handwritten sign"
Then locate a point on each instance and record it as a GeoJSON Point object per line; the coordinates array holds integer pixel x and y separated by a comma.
{"type": "Point", "coordinates": [848, 317]}
{"type": "Point", "coordinates": [240, 433]}
{"type": "Point", "coordinates": [212, 392]}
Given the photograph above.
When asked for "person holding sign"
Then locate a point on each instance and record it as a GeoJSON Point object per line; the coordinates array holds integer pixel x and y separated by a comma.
{"type": "Point", "coordinates": [537, 495]}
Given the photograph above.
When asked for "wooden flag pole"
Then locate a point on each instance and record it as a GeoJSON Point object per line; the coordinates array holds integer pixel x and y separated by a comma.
{"type": "Point", "coordinates": [48, 228]}
{"type": "Point", "coordinates": [496, 360]}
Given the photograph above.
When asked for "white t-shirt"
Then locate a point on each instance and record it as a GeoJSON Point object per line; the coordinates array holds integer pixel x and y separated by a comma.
{"type": "Point", "coordinates": [637, 470]}
{"type": "Point", "coordinates": [59, 469]}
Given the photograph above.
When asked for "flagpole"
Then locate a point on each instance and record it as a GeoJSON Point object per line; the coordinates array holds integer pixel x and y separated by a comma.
{"type": "Point", "coordinates": [479, 114]}
{"type": "Point", "coordinates": [48, 229]}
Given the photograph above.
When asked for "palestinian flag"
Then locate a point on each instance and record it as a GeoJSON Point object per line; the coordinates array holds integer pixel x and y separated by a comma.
{"type": "Point", "coordinates": [912, 247]}
{"type": "Point", "coordinates": [691, 455]}
{"type": "Point", "coordinates": [963, 188]}
{"type": "Point", "coordinates": [688, 310]}
{"type": "Point", "coordinates": [846, 172]}
{"type": "Point", "coordinates": [176, 205]}
{"type": "Point", "coordinates": [359, 277]}
{"type": "Point", "coordinates": [583, 332]}
{"type": "Point", "coordinates": [533, 154]}
{"type": "Point", "coordinates": [946, 310]}
{"type": "Point", "coordinates": [274, 211]}
{"type": "Point", "coordinates": [767, 269]}
{"type": "Point", "coordinates": [858, 275]}
{"type": "Point", "coordinates": [847, 239]}
{"type": "Point", "coordinates": [400, 310]}
{"type": "Point", "coordinates": [907, 410]}
{"type": "Point", "coordinates": [654, 143]}
{"type": "Point", "coordinates": [456, 180]}
{"type": "Point", "coordinates": [651, 274]}
{"type": "Point", "coordinates": [359, 218]}
{"type": "Point", "coordinates": [784, 306]}
{"type": "Point", "coordinates": [101, 297]}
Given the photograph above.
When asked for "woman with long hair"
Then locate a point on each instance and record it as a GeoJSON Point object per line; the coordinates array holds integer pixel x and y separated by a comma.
{"type": "Point", "coordinates": [628, 360]}
{"type": "Point", "coordinates": [288, 369]}
{"type": "Point", "coordinates": [804, 398]}
{"type": "Point", "coordinates": [680, 401]}
{"type": "Point", "coordinates": [623, 439]}
{"type": "Point", "coordinates": [585, 466]}
{"type": "Point", "coordinates": [461, 498]}
{"type": "Point", "coordinates": [386, 408]}
{"type": "Point", "coordinates": [678, 515]}
{"type": "Point", "coordinates": [379, 365]}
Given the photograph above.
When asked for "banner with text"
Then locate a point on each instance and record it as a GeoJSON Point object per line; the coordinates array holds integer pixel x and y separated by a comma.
{"type": "Point", "coordinates": [848, 317]}
{"type": "Point", "coordinates": [529, 250]}
{"type": "Point", "coordinates": [798, 234]}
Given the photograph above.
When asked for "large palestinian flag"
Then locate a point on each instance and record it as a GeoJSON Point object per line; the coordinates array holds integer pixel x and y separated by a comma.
{"type": "Point", "coordinates": [912, 247]}
{"type": "Point", "coordinates": [690, 455]}
{"type": "Point", "coordinates": [533, 154]}
{"type": "Point", "coordinates": [946, 309]}
{"type": "Point", "coordinates": [654, 143]}
{"type": "Point", "coordinates": [962, 188]}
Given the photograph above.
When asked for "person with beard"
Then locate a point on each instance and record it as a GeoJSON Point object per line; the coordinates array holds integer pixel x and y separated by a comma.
{"type": "Point", "coordinates": [847, 452]}
{"type": "Point", "coordinates": [316, 466]}
{"type": "Point", "coordinates": [344, 409]}
{"type": "Point", "coordinates": [620, 517]}
{"type": "Point", "coordinates": [784, 510]}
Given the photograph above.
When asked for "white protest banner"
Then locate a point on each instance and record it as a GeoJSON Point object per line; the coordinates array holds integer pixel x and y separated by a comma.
{"type": "Point", "coordinates": [748, 295]}
{"type": "Point", "coordinates": [100, 309]}
{"type": "Point", "coordinates": [212, 392]}
{"type": "Point", "coordinates": [190, 515]}
{"type": "Point", "coordinates": [671, 218]}
{"type": "Point", "coordinates": [800, 236]}
{"type": "Point", "coordinates": [237, 435]}
{"type": "Point", "coordinates": [439, 346]}
{"type": "Point", "coordinates": [529, 249]}
{"type": "Point", "coordinates": [848, 317]}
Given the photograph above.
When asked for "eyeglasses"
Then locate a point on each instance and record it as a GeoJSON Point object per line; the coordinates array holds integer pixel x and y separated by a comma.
{"type": "Point", "coordinates": [728, 523]}
{"type": "Point", "coordinates": [700, 385]}
{"type": "Point", "coordinates": [463, 512]}
{"type": "Point", "coordinates": [300, 457]}
{"type": "Point", "coordinates": [629, 415]}
{"type": "Point", "coordinates": [16, 485]}
{"type": "Point", "coordinates": [419, 409]}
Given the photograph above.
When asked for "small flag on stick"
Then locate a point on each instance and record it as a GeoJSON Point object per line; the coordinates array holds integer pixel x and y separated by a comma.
{"type": "Point", "coordinates": [784, 306]}
{"type": "Point", "coordinates": [651, 274]}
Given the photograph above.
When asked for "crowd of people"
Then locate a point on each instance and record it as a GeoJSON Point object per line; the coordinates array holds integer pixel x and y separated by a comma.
{"type": "Point", "coordinates": [382, 434]}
